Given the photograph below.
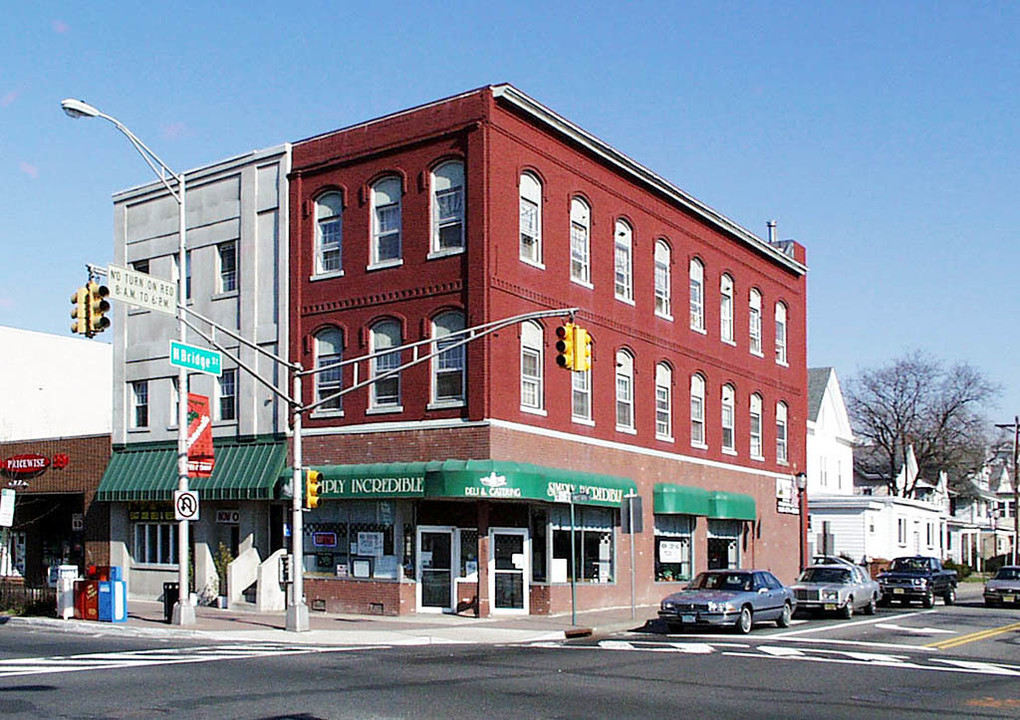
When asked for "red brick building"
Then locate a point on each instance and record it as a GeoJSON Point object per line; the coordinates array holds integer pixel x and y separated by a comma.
{"type": "Point", "coordinates": [445, 482]}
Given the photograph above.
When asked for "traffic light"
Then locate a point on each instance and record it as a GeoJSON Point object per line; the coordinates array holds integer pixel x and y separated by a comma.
{"type": "Point", "coordinates": [582, 350]}
{"type": "Point", "coordinates": [565, 346]}
{"type": "Point", "coordinates": [312, 480]}
{"type": "Point", "coordinates": [98, 305]}
{"type": "Point", "coordinates": [79, 313]}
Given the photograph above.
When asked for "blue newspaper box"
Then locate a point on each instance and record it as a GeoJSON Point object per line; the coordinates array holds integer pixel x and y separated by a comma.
{"type": "Point", "coordinates": [112, 601]}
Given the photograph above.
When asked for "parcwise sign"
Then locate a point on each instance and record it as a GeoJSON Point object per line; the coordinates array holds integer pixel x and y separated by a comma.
{"type": "Point", "coordinates": [25, 464]}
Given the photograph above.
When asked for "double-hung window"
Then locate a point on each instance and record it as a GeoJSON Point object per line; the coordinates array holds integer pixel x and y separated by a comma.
{"type": "Point", "coordinates": [227, 260]}
{"type": "Point", "coordinates": [728, 416]}
{"type": "Point", "coordinates": [531, 219]}
{"type": "Point", "coordinates": [329, 378]}
{"type": "Point", "coordinates": [226, 395]}
{"type": "Point", "coordinates": [755, 432]}
{"type": "Point", "coordinates": [448, 207]}
{"type": "Point", "coordinates": [580, 396]}
{"type": "Point", "coordinates": [386, 221]}
{"type": "Point", "coordinates": [780, 333]}
{"type": "Point", "coordinates": [623, 242]}
{"type": "Point", "coordinates": [663, 402]}
{"type": "Point", "coordinates": [754, 321]}
{"type": "Point", "coordinates": [726, 309]}
{"type": "Point", "coordinates": [580, 234]}
{"type": "Point", "coordinates": [531, 366]}
{"type": "Point", "coordinates": [448, 365]}
{"type": "Point", "coordinates": [385, 392]}
{"type": "Point", "coordinates": [781, 434]}
{"type": "Point", "coordinates": [663, 300]}
{"type": "Point", "coordinates": [328, 233]}
{"type": "Point", "coordinates": [697, 410]}
{"type": "Point", "coordinates": [697, 277]}
{"type": "Point", "coordinates": [140, 404]}
{"type": "Point", "coordinates": [624, 391]}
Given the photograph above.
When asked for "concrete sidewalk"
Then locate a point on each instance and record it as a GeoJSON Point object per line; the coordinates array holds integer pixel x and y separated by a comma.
{"type": "Point", "coordinates": [146, 618]}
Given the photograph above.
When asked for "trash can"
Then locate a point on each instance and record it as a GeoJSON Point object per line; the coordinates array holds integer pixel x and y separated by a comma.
{"type": "Point", "coordinates": [171, 592]}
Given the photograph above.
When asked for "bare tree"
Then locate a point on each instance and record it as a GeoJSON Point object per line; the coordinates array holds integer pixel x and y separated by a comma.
{"type": "Point", "coordinates": [917, 401]}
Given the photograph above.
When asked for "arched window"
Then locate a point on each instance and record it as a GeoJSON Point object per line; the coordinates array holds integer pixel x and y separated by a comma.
{"type": "Point", "coordinates": [329, 344]}
{"type": "Point", "coordinates": [328, 232]}
{"type": "Point", "coordinates": [754, 321]}
{"type": "Point", "coordinates": [755, 432]}
{"type": "Point", "coordinates": [726, 308]}
{"type": "Point", "coordinates": [781, 435]}
{"type": "Point", "coordinates": [663, 402]}
{"type": "Point", "coordinates": [383, 335]}
{"type": "Point", "coordinates": [697, 410]}
{"type": "Point", "coordinates": [781, 333]}
{"type": "Point", "coordinates": [448, 207]}
{"type": "Point", "coordinates": [623, 240]}
{"type": "Point", "coordinates": [386, 221]}
{"type": "Point", "coordinates": [531, 219]}
{"type": "Point", "coordinates": [697, 274]}
{"type": "Point", "coordinates": [728, 416]}
{"type": "Point", "coordinates": [624, 391]}
{"type": "Point", "coordinates": [448, 365]}
{"type": "Point", "coordinates": [531, 366]}
{"type": "Point", "coordinates": [663, 294]}
{"type": "Point", "coordinates": [580, 234]}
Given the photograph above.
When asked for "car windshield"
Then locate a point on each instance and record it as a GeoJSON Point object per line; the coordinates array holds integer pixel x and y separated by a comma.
{"type": "Point", "coordinates": [825, 575]}
{"type": "Point", "coordinates": [1008, 573]}
{"type": "Point", "coordinates": [910, 565]}
{"type": "Point", "coordinates": [722, 581]}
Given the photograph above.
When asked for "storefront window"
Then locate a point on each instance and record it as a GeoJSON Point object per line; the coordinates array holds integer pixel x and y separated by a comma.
{"type": "Point", "coordinates": [155, 544]}
{"type": "Point", "coordinates": [539, 523]}
{"type": "Point", "coordinates": [723, 544]}
{"type": "Point", "coordinates": [468, 553]}
{"type": "Point", "coordinates": [593, 544]}
{"type": "Point", "coordinates": [353, 539]}
{"type": "Point", "coordinates": [673, 558]}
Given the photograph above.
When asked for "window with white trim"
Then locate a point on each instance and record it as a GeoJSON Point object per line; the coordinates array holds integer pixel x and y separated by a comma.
{"type": "Point", "coordinates": [901, 531]}
{"type": "Point", "coordinates": [726, 308]}
{"type": "Point", "coordinates": [727, 417]}
{"type": "Point", "coordinates": [623, 281]}
{"type": "Point", "coordinates": [226, 256]}
{"type": "Point", "coordinates": [663, 402]}
{"type": "Point", "coordinates": [781, 333]}
{"type": "Point", "coordinates": [697, 410]}
{"type": "Point", "coordinates": [624, 391]}
{"type": "Point", "coordinates": [781, 433]}
{"type": "Point", "coordinates": [328, 347]}
{"type": "Point", "coordinates": [448, 207]}
{"type": "Point", "coordinates": [384, 335]}
{"type": "Point", "coordinates": [531, 219]}
{"type": "Point", "coordinates": [448, 365]}
{"type": "Point", "coordinates": [226, 395]}
{"type": "Point", "coordinates": [754, 321]}
{"type": "Point", "coordinates": [755, 432]}
{"type": "Point", "coordinates": [580, 238]}
{"type": "Point", "coordinates": [328, 233]}
{"type": "Point", "coordinates": [386, 221]}
{"type": "Point", "coordinates": [697, 276]}
{"type": "Point", "coordinates": [580, 396]}
{"type": "Point", "coordinates": [155, 543]}
{"type": "Point", "coordinates": [673, 556]}
{"type": "Point", "coordinates": [531, 366]}
{"type": "Point", "coordinates": [592, 531]}
{"type": "Point", "coordinates": [140, 404]}
{"type": "Point", "coordinates": [663, 293]}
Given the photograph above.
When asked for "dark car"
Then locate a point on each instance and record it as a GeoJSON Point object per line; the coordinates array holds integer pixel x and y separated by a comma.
{"type": "Point", "coordinates": [730, 598]}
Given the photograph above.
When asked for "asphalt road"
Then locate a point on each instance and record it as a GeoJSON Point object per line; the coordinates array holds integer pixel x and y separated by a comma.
{"type": "Point", "coordinates": [961, 661]}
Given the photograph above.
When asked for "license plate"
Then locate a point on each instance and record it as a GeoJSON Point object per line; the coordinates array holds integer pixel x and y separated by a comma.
{"type": "Point", "coordinates": [898, 591]}
{"type": "Point", "coordinates": [687, 618]}
{"type": "Point", "coordinates": [1008, 598]}
{"type": "Point", "coordinates": [830, 606]}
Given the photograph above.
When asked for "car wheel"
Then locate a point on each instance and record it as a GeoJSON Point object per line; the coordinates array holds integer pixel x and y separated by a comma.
{"type": "Point", "coordinates": [884, 601]}
{"type": "Point", "coordinates": [950, 597]}
{"type": "Point", "coordinates": [784, 617]}
{"type": "Point", "coordinates": [847, 611]}
{"type": "Point", "coordinates": [745, 622]}
{"type": "Point", "coordinates": [929, 599]}
{"type": "Point", "coordinates": [869, 609]}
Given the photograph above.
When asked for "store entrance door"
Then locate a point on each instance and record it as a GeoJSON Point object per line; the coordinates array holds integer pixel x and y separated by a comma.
{"type": "Point", "coordinates": [436, 551]}
{"type": "Point", "coordinates": [509, 570]}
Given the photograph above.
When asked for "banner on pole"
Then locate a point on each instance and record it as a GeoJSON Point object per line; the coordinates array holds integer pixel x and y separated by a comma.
{"type": "Point", "coordinates": [199, 440]}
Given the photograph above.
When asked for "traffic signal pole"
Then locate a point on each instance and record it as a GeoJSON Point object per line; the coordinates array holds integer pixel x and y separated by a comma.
{"type": "Point", "coordinates": [297, 611]}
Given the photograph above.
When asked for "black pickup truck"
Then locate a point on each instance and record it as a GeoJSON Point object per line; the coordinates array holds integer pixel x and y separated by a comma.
{"type": "Point", "coordinates": [917, 578]}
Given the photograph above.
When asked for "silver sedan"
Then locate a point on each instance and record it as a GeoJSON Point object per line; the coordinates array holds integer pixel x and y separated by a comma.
{"type": "Point", "coordinates": [1004, 587]}
{"type": "Point", "coordinates": [841, 588]}
{"type": "Point", "coordinates": [732, 598]}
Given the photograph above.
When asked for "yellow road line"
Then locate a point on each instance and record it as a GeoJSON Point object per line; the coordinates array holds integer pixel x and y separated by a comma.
{"type": "Point", "coordinates": [973, 637]}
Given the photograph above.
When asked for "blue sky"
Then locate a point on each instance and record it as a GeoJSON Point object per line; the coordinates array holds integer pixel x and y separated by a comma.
{"type": "Point", "coordinates": [882, 135]}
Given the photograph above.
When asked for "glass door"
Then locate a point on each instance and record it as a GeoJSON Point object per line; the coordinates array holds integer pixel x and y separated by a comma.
{"type": "Point", "coordinates": [435, 569]}
{"type": "Point", "coordinates": [509, 569]}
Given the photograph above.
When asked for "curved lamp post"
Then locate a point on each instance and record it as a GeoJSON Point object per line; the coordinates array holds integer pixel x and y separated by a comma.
{"type": "Point", "coordinates": [184, 612]}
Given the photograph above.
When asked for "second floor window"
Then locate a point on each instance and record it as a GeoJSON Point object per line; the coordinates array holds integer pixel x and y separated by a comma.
{"type": "Point", "coordinates": [580, 396]}
{"type": "Point", "coordinates": [663, 402]}
{"type": "Point", "coordinates": [227, 257]}
{"type": "Point", "coordinates": [754, 321]}
{"type": "Point", "coordinates": [386, 221]}
{"type": "Point", "coordinates": [697, 275]}
{"type": "Point", "coordinates": [531, 219]}
{"type": "Point", "coordinates": [385, 393]}
{"type": "Point", "coordinates": [531, 366]}
{"type": "Point", "coordinates": [226, 392]}
{"type": "Point", "coordinates": [728, 416]}
{"type": "Point", "coordinates": [623, 239]}
{"type": "Point", "coordinates": [663, 300]}
{"type": "Point", "coordinates": [580, 232]}
{"type": "Point", "coordinates": [448, 365]}
{"type": "Point", "coordinates": [448, 207]}
{"type": "Point", "coordinates": [328, 233]}
{"type": "Point", "coordinates": [140, 404]}
{"type": "Point", "coordinates": [624, 391]}
{"type": "Point", "coordinates": [755, 431]}
{"type": "Point", "coordinates": [697, 411]}
{"type": "Point", "coordinates": [329, 379]}
{"type": "Point", "coordinates": [781, 333]}
{"type": "Point", "coordinates": [781, 435]}
{"type": "Point", "coordinates": [726, 309]}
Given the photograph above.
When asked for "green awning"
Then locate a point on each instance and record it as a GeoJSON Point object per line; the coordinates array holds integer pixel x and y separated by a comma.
{"type": "Point", "coordinates": [672, 499]}
{"type": "Point", "coordinates": [244, 471]}
{"type": "Point", "coordinates": [732, 506]}
{"type": "Point", "coordinates": [490, 479]}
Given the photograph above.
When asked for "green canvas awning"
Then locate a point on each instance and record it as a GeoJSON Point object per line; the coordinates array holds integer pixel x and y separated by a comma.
{"type": "Point", "coordinates": [673, 499]}
{"type": "Point", "coordinates": [477, 479]}
{"type": "Point", "coordinates": [244, 471]}
{"type": "Point", "coordinates": [732, 506]}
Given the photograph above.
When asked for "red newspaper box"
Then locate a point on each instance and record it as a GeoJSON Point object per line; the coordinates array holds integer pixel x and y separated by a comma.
{"type": "Point", "coordinates": [86, 599]}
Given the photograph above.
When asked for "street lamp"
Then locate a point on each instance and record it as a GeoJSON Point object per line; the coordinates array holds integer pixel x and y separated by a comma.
{"type": "Point", "coordinates": [801, 479]}
{"type": "Point", "coordinates": [1015, 427]}
{"type": "Point", "coordinates": [184, 613]}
